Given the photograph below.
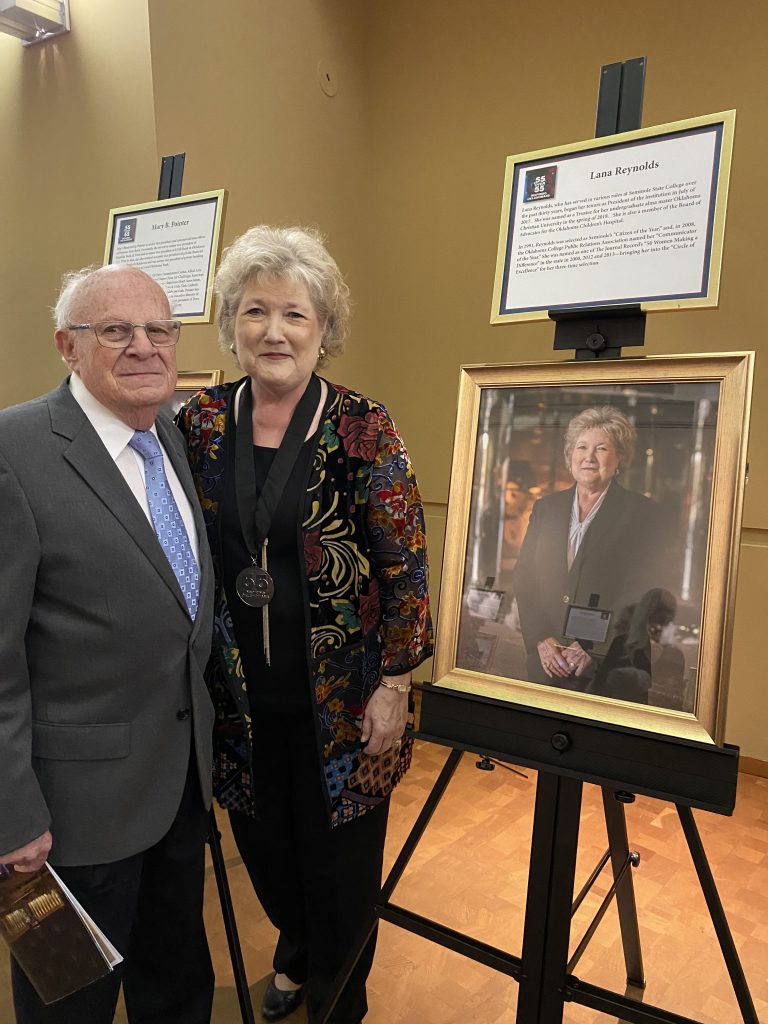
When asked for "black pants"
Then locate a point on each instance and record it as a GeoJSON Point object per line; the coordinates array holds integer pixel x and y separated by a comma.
{"type": "Point", "coordinates": [317, 885]}
{"type": "Point", "coordinates": [150, 907]}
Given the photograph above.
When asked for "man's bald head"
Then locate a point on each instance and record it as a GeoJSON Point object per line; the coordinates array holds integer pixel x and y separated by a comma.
{"type": "Point", "coordinates": [133, 379]}
{"type": "Point", "coordinates": [76, 285]}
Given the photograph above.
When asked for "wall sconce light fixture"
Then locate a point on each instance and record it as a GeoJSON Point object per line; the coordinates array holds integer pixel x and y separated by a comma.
{"type": "Point", "coordinates": [34, 21]}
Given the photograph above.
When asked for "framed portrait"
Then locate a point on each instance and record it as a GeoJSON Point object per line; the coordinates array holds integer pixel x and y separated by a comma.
{"type": "Point", "coordinates": [592, 538]}
{"type": "Point", "coordinates": [188, 383]}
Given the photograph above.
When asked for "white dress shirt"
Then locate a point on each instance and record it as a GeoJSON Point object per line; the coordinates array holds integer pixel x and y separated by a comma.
{"type": "Point", "coordinates": [579, 527]}
{"type": "Point", "coordinates": [115, 436]}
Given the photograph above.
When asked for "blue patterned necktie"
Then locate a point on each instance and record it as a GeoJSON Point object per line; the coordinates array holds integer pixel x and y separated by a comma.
{"type": "Point", "coordinates": [166, 518]}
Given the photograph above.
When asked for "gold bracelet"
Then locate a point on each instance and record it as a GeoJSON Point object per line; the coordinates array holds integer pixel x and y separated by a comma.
{"type": "Point", "coordinates": [400, 687]}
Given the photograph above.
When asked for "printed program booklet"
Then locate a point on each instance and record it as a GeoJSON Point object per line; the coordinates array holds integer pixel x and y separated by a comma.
{"type": "Point", "coordinates": [55, 942]}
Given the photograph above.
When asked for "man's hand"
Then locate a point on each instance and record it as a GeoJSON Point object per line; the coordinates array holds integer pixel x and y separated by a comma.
{"type": "Point", "coordinates": [386, 714]}
{"type": "Point", "coordinates": [30, 857]}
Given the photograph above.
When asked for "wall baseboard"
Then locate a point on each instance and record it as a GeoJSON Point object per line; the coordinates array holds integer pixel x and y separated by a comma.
{"type": "Point", "coordinates": [753, 766]}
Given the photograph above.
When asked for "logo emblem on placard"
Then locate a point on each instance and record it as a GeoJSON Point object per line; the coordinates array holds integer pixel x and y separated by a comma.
{"type": "Point", "coordinates": [540, 183]}
{"type": "Point", "coordinates": [127, 230]}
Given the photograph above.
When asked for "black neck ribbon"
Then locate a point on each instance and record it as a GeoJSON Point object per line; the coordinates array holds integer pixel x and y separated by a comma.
{"type": "Point", "coordinates": [256, 511]}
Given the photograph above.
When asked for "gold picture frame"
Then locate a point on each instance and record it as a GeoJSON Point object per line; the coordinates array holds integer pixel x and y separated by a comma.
{"type": "Point", "coordinates": [661, 662]}
{"type": "Point", "coordinates": [189, 382]}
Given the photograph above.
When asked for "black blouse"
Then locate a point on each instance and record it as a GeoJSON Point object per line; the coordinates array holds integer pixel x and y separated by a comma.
{"type": "Point", "coordinates": [283, 686]}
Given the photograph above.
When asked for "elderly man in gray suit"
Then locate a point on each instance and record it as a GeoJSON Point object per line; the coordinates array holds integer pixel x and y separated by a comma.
{"type": "Point", "coordinates": [105, 624]}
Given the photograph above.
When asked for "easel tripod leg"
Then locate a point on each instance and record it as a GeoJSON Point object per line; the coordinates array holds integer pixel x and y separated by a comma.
{"type": "Point", "coordinates": [230, 925]}
{"type": "Point", "coordinates": [618, 843]}
{"type": "Point", "coordinates": [392, 879]}
{"type": "Point", "coordinates": [716, 912]}
{"type": "Point", "coordinates": [549, 899]}
{"type": "Point", "coordinates": [420, 825]}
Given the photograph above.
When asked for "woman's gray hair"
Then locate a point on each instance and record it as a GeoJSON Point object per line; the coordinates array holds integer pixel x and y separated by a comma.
{"type": "Point", "coordinates": [614, 423]}
{"type": "Point", "coordinates": [70, 286]}
{"type": "Point", "coordinates": [298, 254]}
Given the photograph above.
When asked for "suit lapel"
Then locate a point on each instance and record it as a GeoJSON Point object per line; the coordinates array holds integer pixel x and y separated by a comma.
{"type": "Point", "coordinates": [562, 529]}
{"type": "Point", "coordinates": [91, 460]}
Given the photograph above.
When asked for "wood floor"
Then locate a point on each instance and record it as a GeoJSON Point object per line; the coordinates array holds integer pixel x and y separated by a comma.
{"type": "Point", "coordinates": [470, 873]}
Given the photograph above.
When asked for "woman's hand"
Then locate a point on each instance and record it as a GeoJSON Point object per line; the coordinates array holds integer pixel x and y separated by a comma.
{"type": "Point", "coordinates": [577, 659]}
{"type": "Point", "coordinates": [562, 662]}
{"type": "Point", "coordinates": [551, 655]}
{"type": "Point", "coordinates": [385, 717]}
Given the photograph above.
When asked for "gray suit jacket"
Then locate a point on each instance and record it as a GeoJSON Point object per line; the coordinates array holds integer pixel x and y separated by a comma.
{"type": "Point", "coordinates": [101, 669]}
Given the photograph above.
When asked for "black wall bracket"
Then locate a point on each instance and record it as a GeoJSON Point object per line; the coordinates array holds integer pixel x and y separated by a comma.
{"type": "Point", "coordinates": [598, 333]}
{"type": "Point", "coordinates": [601, 332]}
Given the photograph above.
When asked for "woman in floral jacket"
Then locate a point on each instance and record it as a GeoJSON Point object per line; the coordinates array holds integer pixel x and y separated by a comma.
{"type": "Point", "coordinates": [311, 695]}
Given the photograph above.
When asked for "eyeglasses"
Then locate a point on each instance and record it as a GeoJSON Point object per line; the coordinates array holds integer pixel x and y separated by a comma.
{"type": "Point", "coordinates": [119, 333]}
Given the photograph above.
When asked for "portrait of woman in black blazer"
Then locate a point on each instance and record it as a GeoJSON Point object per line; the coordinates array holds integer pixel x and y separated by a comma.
{"type": "Point", "coordinates": [592, 545]}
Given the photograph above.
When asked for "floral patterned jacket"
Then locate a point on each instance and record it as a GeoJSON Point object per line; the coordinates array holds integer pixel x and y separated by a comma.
{"type": "Point", "coordinates": [365, 586]}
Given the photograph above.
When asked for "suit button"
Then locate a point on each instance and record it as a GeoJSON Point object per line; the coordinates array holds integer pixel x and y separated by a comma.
{"type": "Point", "coordinates": [566, 599]}
{"type": "Point", "coordinates": [183, 714]}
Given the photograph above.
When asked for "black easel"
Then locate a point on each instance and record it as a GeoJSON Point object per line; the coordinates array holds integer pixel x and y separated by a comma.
{"type": "Point", "coordinates": [593, 333]}
{"type": "Point", "coordinates": [567, 752]}
{"type": "Point", "coordinates": [601, 332]}
{"type": "Point", "coordinates": [171, 176]}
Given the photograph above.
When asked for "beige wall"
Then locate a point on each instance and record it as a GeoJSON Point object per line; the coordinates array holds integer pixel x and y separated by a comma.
{"type": "Point", "coordinates": [78, 135]}
{"type": "Point", "coordinates": [252, 118]}
{"type": "Point", "coordinates": [455, 89]}
{"type": "Point", "coordinates": [402, 169]}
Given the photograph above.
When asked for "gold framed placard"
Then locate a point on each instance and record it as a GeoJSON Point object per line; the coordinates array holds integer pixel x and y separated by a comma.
{"type": "Point", "coordinates": [175, 241]}
{"type": "Point", "coordinates": [188, 383]}
{"type": "Point", "coordinates": [636, 218]}
{"type": "Point", "coordinates": [588, 568]}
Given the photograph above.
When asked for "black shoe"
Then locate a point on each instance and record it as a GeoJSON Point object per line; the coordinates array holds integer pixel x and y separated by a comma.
{"type": "Point", "coordinates": [277, 1004]}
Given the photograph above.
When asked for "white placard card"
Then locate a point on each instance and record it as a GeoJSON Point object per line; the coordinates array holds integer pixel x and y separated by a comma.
{"type": "Point", "coordinates": [630, 219]}
{"type": "Point", "coordinates": [176, 242]}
